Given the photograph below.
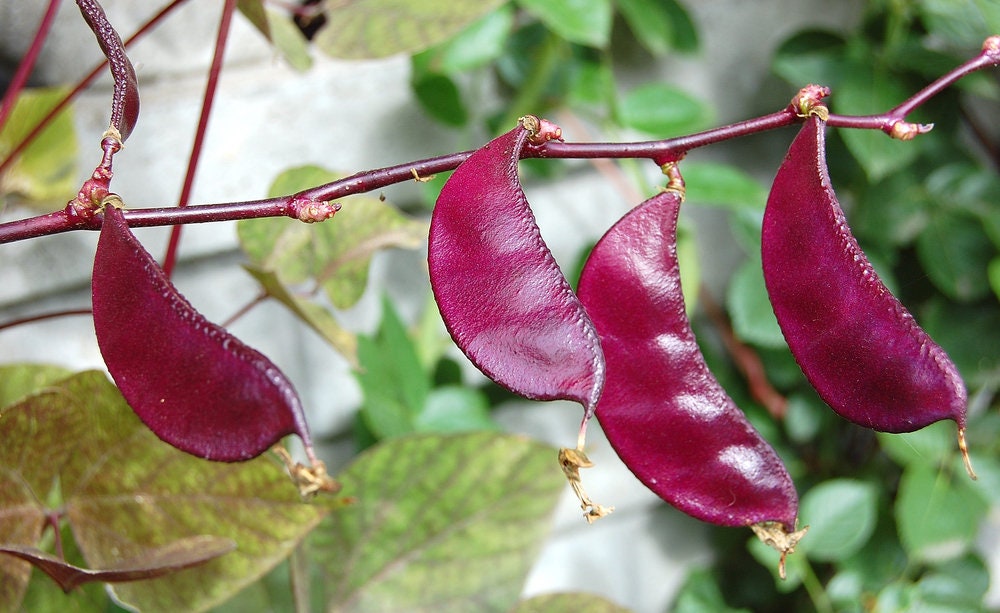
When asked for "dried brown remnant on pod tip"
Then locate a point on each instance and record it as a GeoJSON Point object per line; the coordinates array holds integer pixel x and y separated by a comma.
{"type": "Point", "coordinates": [773, 534]}
{"type": "Point", "coordinates": [310, 480]}
{"type": "Point", "coordinates": [571, 461]}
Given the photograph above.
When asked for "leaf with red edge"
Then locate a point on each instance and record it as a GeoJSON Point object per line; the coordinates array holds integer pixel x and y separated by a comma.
{"type": "Point", "coordinates": [157, 562]}
{"type": "Point", "coordinates": [500, 292]}
{"type": "Point", "coordinates": [855, 342]}
{"type": "Point", "coordinates": [125, 99]}
{"type": "Point", "coordinates": [191, 382]}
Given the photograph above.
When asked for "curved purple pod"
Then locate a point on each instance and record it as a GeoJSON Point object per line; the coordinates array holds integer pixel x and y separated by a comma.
{"type": "Point", "coordinates": [500, 292]}
{"type": "Point", "coordinates": [125, 99]}
{"type": "Point", "coordinates": [854, 341]}
{"type": "Point", "coordinates": [195, 385]}
{"type": "Point", "coordinates": [662, 410]}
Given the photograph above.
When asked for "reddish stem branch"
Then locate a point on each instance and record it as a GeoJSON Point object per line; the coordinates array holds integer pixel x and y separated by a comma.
{"type": "Point", "coordinates": [211, 86]}
{"type": "Point", "coordinates": [661, 152]}
{"type": "Point", "coordinates": [43, 317]}
{"type": "Point", "coordinates": [27, 62]}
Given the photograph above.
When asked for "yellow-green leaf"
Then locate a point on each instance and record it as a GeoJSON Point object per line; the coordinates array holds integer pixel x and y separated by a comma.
{"type": "Point", "coordinates": [46, 169]}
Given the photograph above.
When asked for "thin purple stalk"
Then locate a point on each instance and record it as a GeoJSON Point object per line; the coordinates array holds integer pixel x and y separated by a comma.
{"type": "Point", "coordinates": [83, 84]}
{"type": "Point", "coordinates": [27, 62]}
{"type": "Point", "coordinates": [42, 317]}
{"type": "Point", "coordinates": [661, 151]}
{"type": "Point", "coordinates": [211, 86]}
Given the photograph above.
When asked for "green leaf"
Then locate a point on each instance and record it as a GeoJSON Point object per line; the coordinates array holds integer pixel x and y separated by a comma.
{"type": "Point", "coordinates": [20, 380]}
{"type": "Point", "coordinates": [358, 29]}
{"type": "Point", "coordinates": [685, 33]}
{"type": "Point", "coordinates": [439, 97]}
{"type": "Point", "coordinates": [957, 585]}
{"type": "Point", "coordinates": [866, 91]}
{"type": "Point", "coordinates": [805, 415]}
{"type": "Point", "coordinates": [455, 408]}
{"type": "Point", "coordinates": [47, 168]}
{"type": "Point", "coordinates": [310, 313]}
{"type": "Point", "coordinates": [476, 45]}
{"type": "Point", "coordinates": [841, 515]}
{"type": "Point", "coordinates": [963, 23]}
{"type": "Point", "coordinates": [394, 384]}
{"type": "Point", "coordinates": [750, 309]}
{"type": "Point", "coordinates": [811, 56]}
{"type": "Point", "coordinates": [955, 252]}
{"type": "Point", "coordinates": [930, 446]}
{"type": "Point", "coordinates": [78, 448]}
{"type": "Point", "coordinates": [650, 22]}
{"type": "Point", "coordinates": [335, 253]}
{"type": "Point", "coordinates": [701, 592]}
{"type": "Point", "coordinates": [280, 30]}
{"type": "Point", "coordinates": [587, 22]}
{"type": "Point", "coordinates": [663, 111]}
{"type": "Point", "coordinates": [568, 603]}
{"type": "Point", "coordinates": [442, 522]}
{"type": "Point", "coordinates": [344, 248]}
{"type": "Point", "coordinates": [937, 518]}
{"type": "Point", "coordinates": [724, 185]}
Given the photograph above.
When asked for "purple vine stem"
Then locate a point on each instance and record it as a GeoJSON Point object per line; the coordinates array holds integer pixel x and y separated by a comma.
{"type": "Point", "coordinates": [214, 71]}
{"type": "Point", "coordinates": [661, 152]}
{"type": "Point", "coordinates": [27, 62]}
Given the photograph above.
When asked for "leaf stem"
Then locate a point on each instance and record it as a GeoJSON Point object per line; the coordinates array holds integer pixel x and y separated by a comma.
{"type": "Point", "coordinates": [211, 86]}
{"type": "Point", "coordinates": [814, 587]}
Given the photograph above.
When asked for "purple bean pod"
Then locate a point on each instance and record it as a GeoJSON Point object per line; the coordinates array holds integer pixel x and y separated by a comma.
{"type": "Point", "coordinates": [195, 385]}
{"type": "Point", "coordinates": [854, 341]}
{"type": "Point", "coordinates": [500, 292]}
{"type": "Point", "coordinates": [125, 100]}
{"type": "Point", "coordinates": [664, 413]}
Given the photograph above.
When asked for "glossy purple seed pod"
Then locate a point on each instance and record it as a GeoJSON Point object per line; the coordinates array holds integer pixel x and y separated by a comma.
{"type": "Point", "coordinates": [856, 344]}
{"type": "Point", "coordinates": [195, 385]}
{"type": "Point", "coordinates": [500, 292]}
{"type": "Point", "coordinates": [125, 99]}
{"type": "Point", "coordinates": [662, 409]}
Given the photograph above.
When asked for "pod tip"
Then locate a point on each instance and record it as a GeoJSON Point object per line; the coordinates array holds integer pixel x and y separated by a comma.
{"type": "Point", "coordinates": [571, 461]}
{"type": "Point", "coordinates": [774, 534]}
{"type": "Point", "coordinates": [963, 446]}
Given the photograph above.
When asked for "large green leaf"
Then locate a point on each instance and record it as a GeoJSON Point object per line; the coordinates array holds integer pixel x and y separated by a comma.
{"type": "Point", "coordinates": [868, 91]}
{"type": "Point", "coordinates": [723, 185]}
{"type": "Point", "coordinates": [77, 449]}
{"type": "Point", "coordinates": [441, 523]}
{"type": "Point", "coordinates": [394, 383]}
{"type": "Point", "coordinates": [663, 111]}
{"type": "Point", "coordinates": [47, 168]}
{"type": "Point", "coordinates": [587, 22]}
{"type": "Point", "coordinates": [357, 29]}
{"type": "Point", "coordinates": [963, 23]}
{"type": "Point", "coordinates": [841, 514]}
{"type": "Point", "coordinates": [937, 518]}
{"type": "Point", "coordinates": [750, 309]}
{"type": "Point", "coordinates": [476, 45]}
{"type": "Point", "coordinates": [955, 252]}
{"type": "Point", "coordinates": [19, 380]}
{"type": "Point", "coordinates": [278, 27]}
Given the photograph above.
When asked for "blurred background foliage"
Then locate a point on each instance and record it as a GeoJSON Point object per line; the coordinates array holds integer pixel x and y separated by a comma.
{"type": "Point", "coordinates": [895, 521]}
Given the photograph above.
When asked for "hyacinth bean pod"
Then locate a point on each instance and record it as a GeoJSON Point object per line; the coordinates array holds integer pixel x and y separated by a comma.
{"type": "Point", "coordinates": [195, 385]}
{"type": "Point", "coordinates": [662, 410]}
{"type": "Point", "coordinates": [125, 99]}
{"type": "Point", "coordinates": [854, 341]}
{"type": "Point", "coordinates": [500, 292]}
